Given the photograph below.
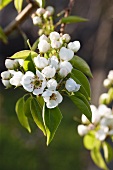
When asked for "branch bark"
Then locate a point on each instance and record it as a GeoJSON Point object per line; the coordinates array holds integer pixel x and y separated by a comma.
{"type": "Point", "coordinates": [21, 17]}
{"type": "Point", "coordinates": [67, 13]}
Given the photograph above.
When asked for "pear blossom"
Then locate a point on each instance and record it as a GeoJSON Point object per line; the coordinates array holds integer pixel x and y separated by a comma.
{"type": "Point", "coordinates": [53, 61]}
{"type": "Point", "coordinates": [6, 75]}
{"type": "Point", "coordinates": [66, 54]}
{"type": "Point", "coordinates": [103, 98]}
{"type": "Point", "coordinates": [67, 65]}
{"type": "Point", "coordinates": [6, 83]}
{"type": "Point", "coordinates": [55, 44]}
{"type": "Point", "coordinates": [34, 83]}
{"type": "Point", "coordinates": [40, 11]}
{"type": "Point", "coordinates": [95, 115]}
{"type": "Point", "coordinates": [102, 133]}
{"type": "Point", "coordinates": [63, 72]}
{"type": "Point", "coordinates": [84, 119]}
{"type": "Point", "coordinates": [49, 71]}
{"type": "Point", "coordinates": [50, 9]}
{"type": "Point", "coordinates": [43, 46]}
{"type": "Point", "coordinates": [52, 84]}
{"type": "Point", "coordinates": [37, 20]}
{"type": "Point", "coordinates": [74, 46]}
{"type": "Point", "coordinates": [11, 64]}
{"type": "Point", "coordinates": [16, 79]}
{"type": "Point", "coordinates": [40, 62]}
{"type": "Point", "coordinates": [65, 37]}
{"type": "Point", "coordinates": [82, 130]}
{"type": "Point", "coordinates": [110, 75]}
{"type": "Point", "coordinates": [54, 36]}
{"type": "Point", "coordinates": [43, 37]}
{"type": "Point", "coordinates": [104, 110]}
{"type": "Point", "coordinates": [71, 85]}
{"type": "Point", "coordinates": [52, 98]}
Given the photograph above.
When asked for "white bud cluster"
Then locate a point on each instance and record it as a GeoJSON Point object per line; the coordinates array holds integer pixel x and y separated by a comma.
{"type": "Point", "coordinates": [52, 70]}
{"type": "Point", "coordinates": [102, 123]}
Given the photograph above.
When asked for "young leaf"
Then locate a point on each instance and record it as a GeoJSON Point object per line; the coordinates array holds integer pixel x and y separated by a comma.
{"type": "Point", "coordinates": [52, 119]}
{"type": "Point", "coordinates": [21, 115]}
{"type": "Point", "coordinates": [18, 5]}
{"type": "Point", "coordinates": [24, 54]}
{"type": "Point", "coordinates": [81, 65]}
{"type": "Point", "coordinates": [3, 36]}
{"type": "Point", "coordinates": [81, 106]}
{"type": "Point", "coordinates": [41, 3]}
{"type": "Point", "coordinates": [90, 141]}
{"type": "Point", "coordinates": [83, 80]}
{"type": "Point", "coordinates": [73, 19]}
{"type": "Point", "coordinates": [28, 64]}
{"type": "Point", "coordinates": [108, 151]}
{"type": "Point", "coordinates": [98, 159]}
{"type": "Point", "coordinates": [37, 114]}
{"type": "Point", "coordinates": [27, 109]}
{"type": "Point", "coordinates": [3, 3]}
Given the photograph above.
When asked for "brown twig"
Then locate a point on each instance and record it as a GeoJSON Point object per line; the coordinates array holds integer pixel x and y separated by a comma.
{"type": "Point", "coordinates": [21, 17]}
{"type": "Point", "coordinates": [67, 12]}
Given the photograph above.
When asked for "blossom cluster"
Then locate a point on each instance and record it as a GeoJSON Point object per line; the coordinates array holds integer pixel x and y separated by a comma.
{"type": "Point", "coordinates": [102, 123]}
{"type": "Point", "coordinates": [52, 69]}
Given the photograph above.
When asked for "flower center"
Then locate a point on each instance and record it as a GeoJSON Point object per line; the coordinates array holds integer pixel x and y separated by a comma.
{"type": "Point", "coordinates": [53, 97]}
{"type": "Point", "coordinates": [37, 83]}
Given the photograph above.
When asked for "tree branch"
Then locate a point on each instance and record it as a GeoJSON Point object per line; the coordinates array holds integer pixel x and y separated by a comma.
{"type": "Point", "coordinates": [67, 12]}
{"type": "Point", "coordinates": [20, 17]}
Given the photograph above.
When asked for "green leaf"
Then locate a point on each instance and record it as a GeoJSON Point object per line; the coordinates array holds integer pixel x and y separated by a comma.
{"type": "Point", "coordinates": [81, 65]}
{"type": "Point", "coordinates": [18, 5]}
{"type": "Point", "coordinates": [81, 106]}
{"type": "Point", "coordinates": [82, 89]}
{"type": "Point", "coordinates": [83, 80]}
{"type": "Point", "coordinates": [40, 101]}
{"type": "Point", "coordinates": [90, 141]}
{"type": "Point", "coordinates": [52, 119]}
{"type": "Point", "coordinates": [27, 109]}
{"type": "Point", "coordinates": [3, 37]}
{"type": "Point", "coordinates": [108, 151]}
{"type": "Point", "coordinates": [21, 115]}
{"type": "Point", "coordinates": [98, 159]}
{"type": "Point", "coordinates": [73, 19]}
{"type": "Point", "coordinates": [41, 3]}
{"type": "Point", "coordinates": [24, 54]}
{"type": "Point", "coordinates": [35, 45]}
{"type": "Point", "coordinates": [37, 114]}
{"type": "Point", "coordinates": [3, 3]}
{"type": "Point", "coordinates": [28, 64]}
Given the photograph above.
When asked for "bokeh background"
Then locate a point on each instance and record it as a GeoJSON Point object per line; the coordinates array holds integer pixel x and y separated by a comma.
{"type": "Point", "coordinates": [22, 151]}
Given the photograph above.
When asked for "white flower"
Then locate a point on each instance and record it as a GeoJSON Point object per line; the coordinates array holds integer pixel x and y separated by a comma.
{"type": "Point", "coordinates": [107, 121]}
{"type": "Point", "coordinates": [71, 85]}
{"type": "Point", "coordinates": [37, 20]}
{"type": "Point", "coordinates": [95, 114]}
{"type": "Point", "coordinates": [10, 64]}
{"type": "Point", "coordinates": [40, 62]}
{"type": "Point", "coordinates": [65, 37]}
{"type": "Point", "coordinates": [67, 65]}
{"type": "Point", "coordinates": [50, 9]}
{"type": "Point", "coordinates": [47, 14]}
{"type": "Point", "coordinates": [40, 11]}
{"type": "Point", "coordinates": [82, 130]}
{"type": "Point", "coordinates": [34, 83]}
{"type": "Point", "coordinates": [43, 46]}
{"type": "Point", "coordinates": [66, 54]}
{"type": "Point", "coordinates": [103, 98]}
{"type": "Point", "coordinates": [5, 75]}
{"type": "Point", "coordinates": [107, 83]}
{"type": "Point", "coordinates": [63, 72]}
{"type": "Point", "coordinates": [21, 62]}
{"type": "Point", "coordinates": [49, 71]}
{"type": "Point", "coordinates": [52, 84]}
{"type": "Point", "coordinates": [6, 83]}
{"type": "Point", "coordinates": [53, 61]}
{"type": "Point", "coordinates": [74, 46]}
{"type": "Point", "coordinates": [52, 98]}
{"type": "Point", "coordinates": [110, 75]}
{"type": "Point", "coordinates": [104, 110]}
{"type": "Point", "coordinates": [43, 37]}
{"type": "Point", "coordinates": [54, 36]}
{"type": "Point", "coordinates": [84, 119]}
{"type": "Point", "coordinates": [16, 79]}
{"type": "Point", "coordinates": [102, 133]}
{"type": "Point", "coordinates": [55, 44]}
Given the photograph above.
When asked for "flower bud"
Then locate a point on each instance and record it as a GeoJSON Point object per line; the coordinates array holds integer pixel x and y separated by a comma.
{"type": "Point", "coordinates": [16, 79]}
{"type": "Point", "coordinates": [43, 37]}
{"type": "Point", "coordinates": [54, 36]}
{"type": "Point", "coordinates": [104, 98]}
{"type": "Point", "coordinates": [6, 83]}
{"type": "Point", "coordinates": [63, 72]}
{"type": "Point", "coordinates": [37, 20]}
{"type": "Point", "coordinates": [9, 64]}
{"type": "Point", "coordinates": [66, 38]}
{"type": "Point", "coordinates": [52, 84]}
{"type": "Point", "coordinates": [49, 71]}
{"type": "Point", "coordinates": [66, 54]}
{"type": "Point", "coordinates": [74, 46]}
{"type": "Point", "coordinates": [82, 130]}
{"type": "Point", "coordinates": [110, 75]}
{"type": "Point", "coordinates": [107, 83]}
{"type": "Point", "coordinates": [40, 11]}
{"type": "Point", "coordinates": [40, 62]}
{"type": "Point", "coordinates": [84, 119]}
{"type": "Point", "coordinates": [40, 32]}
{"type": "Point", "coordinates": [53, 61]}
{"type": "Point", "coordinates": [43, 46]}
{"type": "Point", "coordinates": [71, 85]}
{"type": "Point", "coordinates": [5, 75]}
{"type": "Point", "coordinates": [50, 9]}
{"type": "Point", "coordinates": [47, 14]}
{"type": "Point", "coordinates": [67, 65]}
{"type": "Point", "coordinates": [21, 62]}
{"type": "Point", "coordinates": [55, 44]}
